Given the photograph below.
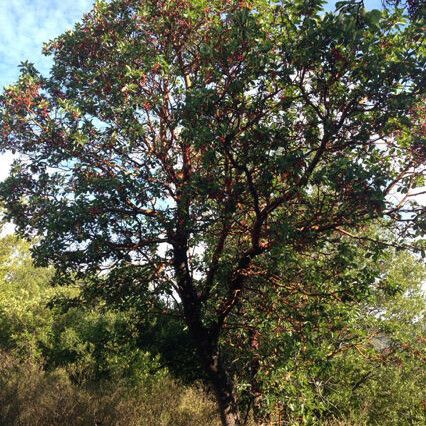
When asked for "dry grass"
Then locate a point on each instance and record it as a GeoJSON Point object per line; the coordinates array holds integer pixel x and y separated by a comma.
{"type": "Point", "coordinates": [30, 396]}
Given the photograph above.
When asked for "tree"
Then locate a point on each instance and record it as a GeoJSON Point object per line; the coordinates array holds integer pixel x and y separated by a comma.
{"type": "Point", "coordinates": [36, 322]}
{"type": "Point", "coordinates": [416, 8]}
{"type": "Point", "coordinates": [24, 322]}
{"type": "Point", "coordinates": [181, 144]}
{"type": "Point", "coordinates": [329, 343]}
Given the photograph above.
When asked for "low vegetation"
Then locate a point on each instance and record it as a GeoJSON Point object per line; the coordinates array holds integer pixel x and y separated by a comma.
{"type": "Point", "coordinates": [66, 364]}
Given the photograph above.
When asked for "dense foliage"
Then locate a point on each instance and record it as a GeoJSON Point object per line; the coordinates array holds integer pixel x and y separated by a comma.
{"type": "Point", "coordinates": [357, 363]}
{"type": "Point", "coordinates": [222, 162]}
{"type": "Point", "coordinates": [73, 365]}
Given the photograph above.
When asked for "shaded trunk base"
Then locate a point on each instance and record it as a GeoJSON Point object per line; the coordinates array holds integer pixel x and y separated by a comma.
{"type": "Point", "coordinates": [223, 388]}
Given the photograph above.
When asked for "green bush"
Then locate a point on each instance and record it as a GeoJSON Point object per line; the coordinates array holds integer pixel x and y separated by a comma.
{"type": "Point", "coordinates": [78, 366]}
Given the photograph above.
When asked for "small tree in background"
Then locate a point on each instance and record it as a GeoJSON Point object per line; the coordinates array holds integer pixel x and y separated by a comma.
{"type": "Point", "coordinates": [182, 144]}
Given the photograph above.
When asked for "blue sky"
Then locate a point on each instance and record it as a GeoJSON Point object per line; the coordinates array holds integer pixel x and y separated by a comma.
{"type": "Point", "coordinates": [26, 24]}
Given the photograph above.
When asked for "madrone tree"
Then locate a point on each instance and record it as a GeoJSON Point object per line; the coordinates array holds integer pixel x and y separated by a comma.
{"type": "Point", "coordinates": [179, 144]}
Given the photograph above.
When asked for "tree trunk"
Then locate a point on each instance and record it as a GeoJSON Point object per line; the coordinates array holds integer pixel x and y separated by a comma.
{"type": "Point", "coordinates": [206, 343]}
{"type": "Point", "coordinates": [224, 391]}
{"type": "Point", "coordinates": [205, 340]}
